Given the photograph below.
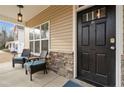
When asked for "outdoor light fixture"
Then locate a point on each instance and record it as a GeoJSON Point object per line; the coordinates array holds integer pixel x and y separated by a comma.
{"type": "Point", "coordinates": [19, 15]}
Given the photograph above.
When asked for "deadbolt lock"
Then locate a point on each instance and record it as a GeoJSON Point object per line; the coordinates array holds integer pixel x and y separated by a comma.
{"type": "Point", "coordinates": [112, 40]}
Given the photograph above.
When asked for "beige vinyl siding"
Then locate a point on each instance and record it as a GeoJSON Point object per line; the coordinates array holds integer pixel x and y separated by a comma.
{"type": "Point", "coordinates": [61, 29]}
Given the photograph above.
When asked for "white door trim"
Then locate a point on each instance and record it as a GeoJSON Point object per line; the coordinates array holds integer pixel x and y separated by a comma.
{"type": "Point", "coordinates": [119, 42]}
{"type": "Point", "coordinates": [75, 40]}
{"type": "Point", "coordinates": [119, 39]}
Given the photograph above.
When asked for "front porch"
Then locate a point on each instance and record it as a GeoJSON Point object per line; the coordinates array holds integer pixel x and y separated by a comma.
{"type": "Point", "coordinates": [16, 77]}
{"type": "Point", "coordinates": [54, 30]}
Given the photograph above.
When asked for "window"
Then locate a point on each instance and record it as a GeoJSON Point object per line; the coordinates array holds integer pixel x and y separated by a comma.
{"type": "Point", "coordinates": [44, 44]}
{"type": "Point", "coordinates": [84, 17]}
{"type": "Point", "coordinates": [44, 36]}
{"type": "Point", "coordinates": [44, 31]}
{"type": "Point", "coordinates": [37, 33]}
{"type": "Point", "coordinates": [102, 12]}
{"type": "Point", "coordinates": [39, 38]}
{"type": "Point", "coordinates": [94, 14]}
{"type": "Point", "coordinates": [31, 35]}
{"type": "Point", "coordinates": [37, 46]}
{"type": "Point", "coordinates": [31, 46]}
{"type": "Point", "coordinates": [89, 16]}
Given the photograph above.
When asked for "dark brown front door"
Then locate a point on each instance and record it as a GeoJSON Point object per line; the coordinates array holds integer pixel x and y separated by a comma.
{"type": "Point", "coordinates": [96, 45]}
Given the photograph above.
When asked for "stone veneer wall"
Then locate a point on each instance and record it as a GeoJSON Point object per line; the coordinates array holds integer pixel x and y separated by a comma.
{"type": "Point", "coordinates": [62, 64]}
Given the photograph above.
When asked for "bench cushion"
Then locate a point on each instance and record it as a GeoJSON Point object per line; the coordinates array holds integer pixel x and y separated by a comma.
{"type": "Point", "coordinates": [19, 59]}
{"type": "Point", "coordinates": [33, 63]}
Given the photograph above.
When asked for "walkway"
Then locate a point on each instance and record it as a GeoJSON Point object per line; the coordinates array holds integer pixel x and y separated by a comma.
{"type": "Point", "coordinates": [5, 56]}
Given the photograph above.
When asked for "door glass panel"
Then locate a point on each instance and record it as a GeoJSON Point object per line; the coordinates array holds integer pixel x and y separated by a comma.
{"type": "Point", "coordinates": [84, 17]}
{"type": "Point", "coordinates": [90, 16]}
{"type": "Point", "coordinates": [96, 14]}
{"type": "Point", "coordinates": [99, 13]}
{"type": "Point", "coordinates": [102, 12]}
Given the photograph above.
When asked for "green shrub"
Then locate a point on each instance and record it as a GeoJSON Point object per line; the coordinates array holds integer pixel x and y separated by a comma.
{"type": "Point", "coordinates": [2, 47]}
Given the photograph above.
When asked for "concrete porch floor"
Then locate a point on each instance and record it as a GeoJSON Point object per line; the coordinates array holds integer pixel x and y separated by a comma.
{"type": "Point", "coordinates": [16, 77]}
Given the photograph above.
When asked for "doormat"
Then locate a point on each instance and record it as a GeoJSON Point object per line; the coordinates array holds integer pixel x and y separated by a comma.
{"type": "Point", "coordinates": [72, 83]}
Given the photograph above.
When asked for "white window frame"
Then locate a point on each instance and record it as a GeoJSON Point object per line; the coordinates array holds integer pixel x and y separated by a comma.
{"type": "Point", "coordinates": [37, 54]}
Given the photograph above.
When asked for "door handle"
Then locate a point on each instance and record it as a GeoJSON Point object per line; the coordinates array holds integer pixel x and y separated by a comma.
{"type": "Point", "coordinates": [112, 47]}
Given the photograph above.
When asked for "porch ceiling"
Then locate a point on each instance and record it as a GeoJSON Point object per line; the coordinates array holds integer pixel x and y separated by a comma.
{"type": "Point", "coordinates": [28, 11]}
